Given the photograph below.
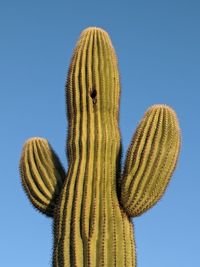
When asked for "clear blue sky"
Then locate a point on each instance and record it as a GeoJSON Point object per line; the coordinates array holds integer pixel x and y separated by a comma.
{"type": "Point", "coordinates": [158, 47]}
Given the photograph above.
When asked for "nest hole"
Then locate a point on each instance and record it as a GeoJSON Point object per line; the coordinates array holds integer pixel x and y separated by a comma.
{"type": "Point", "coordinates": [93, 95]}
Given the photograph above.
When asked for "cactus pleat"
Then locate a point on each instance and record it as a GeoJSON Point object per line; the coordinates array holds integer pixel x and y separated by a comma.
{"type": "Point", "coordinates": [92, 203]}
{"type": "Point", "coordinates": [150, 161]}
{"type": "Point", "coordinates": [42, 174]}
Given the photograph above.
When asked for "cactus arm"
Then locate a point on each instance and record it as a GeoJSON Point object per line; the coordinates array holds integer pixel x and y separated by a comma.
{"type": "Point", "coordinates": [42, 174]}
{"type": "Point", "coordinates": [150, 161]}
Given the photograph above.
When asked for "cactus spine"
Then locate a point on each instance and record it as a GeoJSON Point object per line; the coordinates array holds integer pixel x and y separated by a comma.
{"type": "Point", "coordinates": [92, 204]}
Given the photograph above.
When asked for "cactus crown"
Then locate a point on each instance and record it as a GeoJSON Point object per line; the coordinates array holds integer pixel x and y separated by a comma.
{"type": "Point", "coordinates": [93, 78]}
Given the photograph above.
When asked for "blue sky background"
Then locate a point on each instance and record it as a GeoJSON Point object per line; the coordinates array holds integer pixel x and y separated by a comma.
{"type": "Point", "coordinates": [158, 47]}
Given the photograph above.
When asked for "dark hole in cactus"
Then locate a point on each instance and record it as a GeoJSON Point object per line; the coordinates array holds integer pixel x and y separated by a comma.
{"type": "Point", "coordinates": [93, 95]}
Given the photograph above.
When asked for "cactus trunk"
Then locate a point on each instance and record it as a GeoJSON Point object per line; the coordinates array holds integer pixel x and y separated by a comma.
{"type": "Point", "coordinates": [91, 229]}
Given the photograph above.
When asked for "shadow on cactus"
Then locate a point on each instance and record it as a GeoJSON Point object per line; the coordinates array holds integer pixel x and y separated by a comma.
{"type": "Point", "coordinates": [93, 202]}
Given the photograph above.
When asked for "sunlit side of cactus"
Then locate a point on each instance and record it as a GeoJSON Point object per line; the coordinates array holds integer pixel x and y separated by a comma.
{"type": "Point", "coordinates": [92, 204]}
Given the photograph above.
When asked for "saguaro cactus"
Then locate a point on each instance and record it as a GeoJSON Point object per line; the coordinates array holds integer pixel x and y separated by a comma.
{"type": "Point", "coordinates": [92, 204]}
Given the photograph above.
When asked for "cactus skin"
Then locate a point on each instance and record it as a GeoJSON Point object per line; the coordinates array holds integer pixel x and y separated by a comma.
{"type": "Point", "coordinates": [93, 203]}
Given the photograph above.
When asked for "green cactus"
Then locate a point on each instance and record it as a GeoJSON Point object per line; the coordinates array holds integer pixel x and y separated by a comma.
{"type": "Point", "coordinates": [92, 204]}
